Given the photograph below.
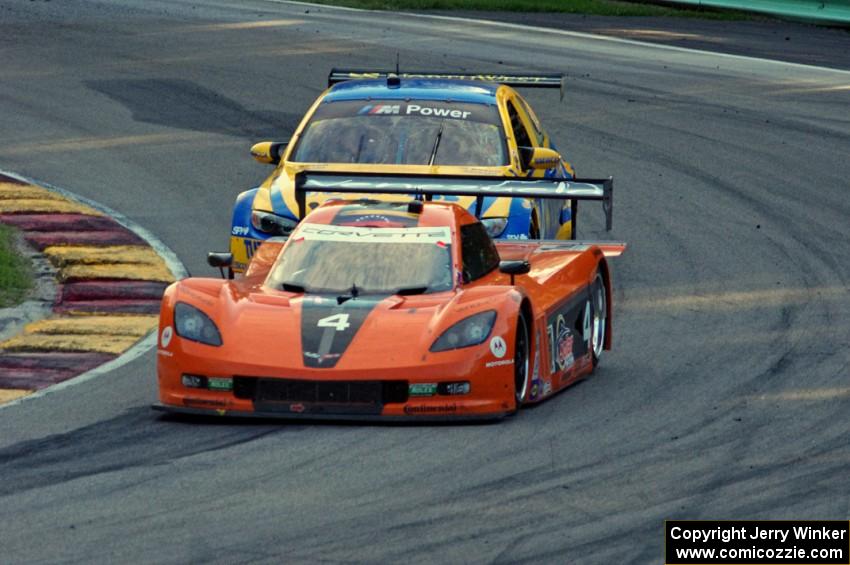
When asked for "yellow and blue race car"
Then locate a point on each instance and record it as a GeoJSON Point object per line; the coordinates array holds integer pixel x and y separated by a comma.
{"type": "Point", "coordinates": [407, 128]}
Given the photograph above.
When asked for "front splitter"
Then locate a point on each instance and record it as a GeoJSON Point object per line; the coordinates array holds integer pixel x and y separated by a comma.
{"type": "Point", "coordinates": [412, 418]}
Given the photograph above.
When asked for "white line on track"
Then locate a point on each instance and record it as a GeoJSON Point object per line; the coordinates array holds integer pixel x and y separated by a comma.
{"type": "Point", "coordinates": [178, 270]}
{"type": "Point", "coordinates": [575, 34]}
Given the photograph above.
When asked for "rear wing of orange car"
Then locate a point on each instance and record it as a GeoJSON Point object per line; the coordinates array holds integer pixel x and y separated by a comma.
{"type": "Point", "coordinates": [428, 186]}
{"type": "Point", "coordinates": [608, 248]}
{"type": "Point", "coordinates": [523, 80]}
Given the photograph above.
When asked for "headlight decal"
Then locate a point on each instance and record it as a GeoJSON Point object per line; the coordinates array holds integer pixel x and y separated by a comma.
{"type": "Point", "coordinates": [192, 324]}
{"type": "Point", "coordinates": [470, 331]}
{"type": "Point", "coordinates": [270, 223]}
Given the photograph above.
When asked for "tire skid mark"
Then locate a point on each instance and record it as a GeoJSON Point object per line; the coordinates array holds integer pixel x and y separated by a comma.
{"type": "Point", "coordinates": [815, 301]}
{"type": "Point", "coordinates": [32, 464]}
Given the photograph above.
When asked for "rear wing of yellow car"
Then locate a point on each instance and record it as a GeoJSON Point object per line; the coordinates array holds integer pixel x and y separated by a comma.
{"type": "Point", "coordinates": [428, 186]}
{"type": "Point", "coordinates": [524, 80]}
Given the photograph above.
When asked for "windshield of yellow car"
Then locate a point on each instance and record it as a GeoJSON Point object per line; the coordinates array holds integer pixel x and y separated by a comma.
{"type": "Point", "coordinates": [397, 132]}
{"type": "Point", "coordinates": [370, 260]}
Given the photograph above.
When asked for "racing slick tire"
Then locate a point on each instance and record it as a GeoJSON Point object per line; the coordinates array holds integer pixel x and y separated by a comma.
{"type": "Point", "coordinates": [599, 311]}
{"type": "Point", "coordinates": [521, 362]}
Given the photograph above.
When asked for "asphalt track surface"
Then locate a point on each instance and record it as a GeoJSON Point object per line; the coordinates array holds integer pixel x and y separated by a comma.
{"type": "Point", "coordinates": [726, 395]}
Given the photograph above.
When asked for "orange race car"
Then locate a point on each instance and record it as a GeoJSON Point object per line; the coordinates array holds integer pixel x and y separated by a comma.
{"type": "Point", "coordinates": [382, 309]}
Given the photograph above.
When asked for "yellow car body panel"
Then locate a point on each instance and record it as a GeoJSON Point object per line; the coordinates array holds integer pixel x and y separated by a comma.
{"type": "Point", "coordinates": [278, 190]}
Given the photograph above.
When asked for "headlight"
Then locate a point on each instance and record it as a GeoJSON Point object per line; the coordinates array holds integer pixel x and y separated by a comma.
{"type": "Point", "coordinates": [272, 223]}
{"type": "Point", "coordinates": [495, 226]}
{"type": "Point", "coordinates": [469, 331]}
{"type": "Point", "coordinates": [191, 323]}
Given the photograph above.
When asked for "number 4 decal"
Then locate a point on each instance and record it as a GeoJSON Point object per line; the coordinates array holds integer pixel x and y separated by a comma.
{"type": "Point", "coordinates": [339, 322]}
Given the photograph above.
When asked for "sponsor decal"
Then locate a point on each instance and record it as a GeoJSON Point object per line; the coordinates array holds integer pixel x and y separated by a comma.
{"type": "Point", "coordinates": [430, 409]}
{"type": "Point", "coordinates": [297, 408]}
{"type": "Point", "coordinates": [422, 389]}
{"type": "Point", "coordinates": [412, 109]}
{"type": "Point", "coordinates": [564, 347]}
{"type": "Point", "coordinates": [566, 342]}
{"type": "Point", "coordinates": [321, 358]}
{"type": "Point", "coordinates": [450, 389]}
{"type": "Point", "coordinates": [251, 246]}
{"type": "Point", "coordinates": [501, 363]}
{"type": "Point", "coordinates": [191, 401]}
{"type": "Point", "coordinates": [239, 230]}
{"type": "Point", "coordinates": [319, 232]}
{"type": "Point", "coordinates": [498, 347]}
{"type": "Point", "coordinates": [547, 388]}
{"type": "Point", "coordinates": [379, 109]}
{"type": "Point", "coordinates": [164, 353]}
{"type": "Point", "coordinates": [438, 112]}
{"type": "Point", "coordinates": [481, 77]}
{"type": "Point", "coordinates": [219, 383]}
{"type": "Point", "coordinates": [193, 381]}
{"type": "Point", "coordinates": [547, 161]}
{"type": "Point", "coordinates": [167, 334]}
{"type": "Point", "coordinates": [516, 236]}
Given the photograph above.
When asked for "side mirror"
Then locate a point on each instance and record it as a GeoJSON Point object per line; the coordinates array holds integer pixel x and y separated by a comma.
{"type": "Point", "coordinates": [268, 152]}
{"type": "Point", "coordinates": [539, 158]}
{"type": "Point", "coordinates": [221, 261]}
{"type": "Point", "coordinates": [514, 268]}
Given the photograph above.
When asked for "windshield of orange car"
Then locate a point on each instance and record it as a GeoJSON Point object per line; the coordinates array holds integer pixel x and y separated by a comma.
{"type": "Point", "coordinates": [336, 259]}
{"type": "Point", "coordinates": [397, 132]}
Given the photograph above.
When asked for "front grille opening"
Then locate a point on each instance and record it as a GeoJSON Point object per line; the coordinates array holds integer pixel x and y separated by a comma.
{"type": "Point", "coordinates": [395, 392]}
{"type": "Point", "coordinates": [244, 387]}
{"type": "Point", "coordinates": [371, 393]}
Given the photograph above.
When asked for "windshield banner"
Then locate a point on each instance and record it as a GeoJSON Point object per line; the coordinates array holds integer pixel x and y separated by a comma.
{"type": "Point", "coordinates": [409, 108]}
{"type": "Point", "coordinates": [321, 232]}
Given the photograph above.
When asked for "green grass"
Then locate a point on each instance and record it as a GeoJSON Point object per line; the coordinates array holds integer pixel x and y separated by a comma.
{"type": "Point", "coordinates": [15, 271]}
{"type": "Point", "coordinates": [590, 7]}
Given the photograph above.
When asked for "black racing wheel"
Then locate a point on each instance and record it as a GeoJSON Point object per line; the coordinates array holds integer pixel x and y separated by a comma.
{"type": "Point", "coordinates": [599, 312]}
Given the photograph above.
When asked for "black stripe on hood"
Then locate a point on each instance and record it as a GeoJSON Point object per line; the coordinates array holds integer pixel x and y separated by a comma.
{"type": "Point", "coordinates": [327, 328]}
